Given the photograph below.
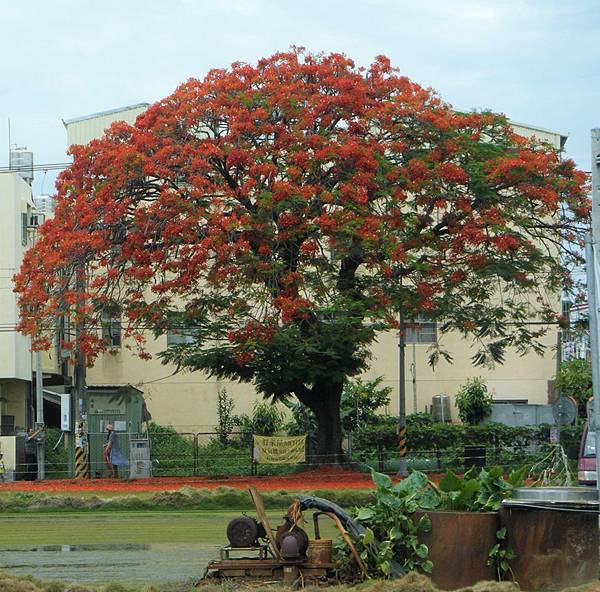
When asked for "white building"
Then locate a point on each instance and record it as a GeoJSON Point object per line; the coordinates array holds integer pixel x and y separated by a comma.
{"type": "Point", "coordinates": [16, 235]}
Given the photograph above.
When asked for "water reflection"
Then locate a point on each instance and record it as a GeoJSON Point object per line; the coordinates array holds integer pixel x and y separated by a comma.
{"type": "Point", "coordinates": [75, 548]}
{"type": "Point", "coordinates": [103, 563]}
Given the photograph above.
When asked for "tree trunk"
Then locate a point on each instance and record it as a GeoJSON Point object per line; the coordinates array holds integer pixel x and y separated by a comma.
{"type": "Point", "coordinates": [324, 401]}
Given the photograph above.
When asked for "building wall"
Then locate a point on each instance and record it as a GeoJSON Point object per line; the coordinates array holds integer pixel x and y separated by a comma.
{"type": "Point", "coordinates": [15, 198]}
{"type": "Point", "coordinates": [15, 349]}
{"type": "Point", "coordinates": [85, 129]}
{"type": "Point", "coordinates": [188, 400]}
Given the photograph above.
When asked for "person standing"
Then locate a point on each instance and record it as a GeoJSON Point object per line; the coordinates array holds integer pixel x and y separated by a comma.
{"type": "Point", "coordinates": [112, 455]}
{"type": "Point", "coordinates": [31, 454]}
{"type": "Point", "coordinates": [2, 468]}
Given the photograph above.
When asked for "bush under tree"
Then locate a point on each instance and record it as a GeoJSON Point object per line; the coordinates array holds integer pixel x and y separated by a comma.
{"type": "Point", "coordinates": [574, 379]}
{"type": "Point", "coordinates": [473, 401]}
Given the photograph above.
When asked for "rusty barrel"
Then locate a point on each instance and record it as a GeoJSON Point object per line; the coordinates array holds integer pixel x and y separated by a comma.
{"type": "Point", "coordinates": [320, 551]}
{"type": "Point", "coordinates": [554, 533]}
{"type": "Point", "coordinates": [459, 543]}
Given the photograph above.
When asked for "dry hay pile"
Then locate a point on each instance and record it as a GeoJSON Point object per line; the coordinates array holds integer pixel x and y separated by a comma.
{"type": "Point", "coordinates": [412, 582]}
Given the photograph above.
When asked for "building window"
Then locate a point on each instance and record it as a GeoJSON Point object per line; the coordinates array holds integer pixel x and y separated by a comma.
{"type": "Point", "coordinates": [24, 229]}
{"type": "Point", "coordinates": [421, 330]}
{"type": "Point", "coordinates": [111, 330]}
{"type": "Point", "coordinates": [180, 337]}
{"type": "Point", "coordinates": [7, 425]}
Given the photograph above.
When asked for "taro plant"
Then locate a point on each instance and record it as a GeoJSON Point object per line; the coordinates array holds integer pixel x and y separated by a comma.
{"type": "Point", "coordinates": [483, 492]}
{"type": "Point", "coordinates": [478, 491]}
{"type": "Point", "coordinates": [390, 544]}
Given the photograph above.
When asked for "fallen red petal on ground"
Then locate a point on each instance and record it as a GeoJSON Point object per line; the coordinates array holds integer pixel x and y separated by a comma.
{"type": "Point", "coordinates": [323, 478]}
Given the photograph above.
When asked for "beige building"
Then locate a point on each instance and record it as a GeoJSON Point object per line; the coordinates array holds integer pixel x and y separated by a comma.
{"type": "Point", "coordinates": [17, 223]}
{"type": "Point", "coordinates": [187, 401]}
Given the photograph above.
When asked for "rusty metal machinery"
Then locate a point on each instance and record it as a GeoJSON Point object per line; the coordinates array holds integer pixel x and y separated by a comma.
{"type": "Point", "coordinates": [244, 531]}
{"type": "Point", "coordinates": [288, 548]}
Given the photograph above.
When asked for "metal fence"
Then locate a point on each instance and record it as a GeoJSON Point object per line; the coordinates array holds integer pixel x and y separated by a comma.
{"type": "Point", "coordinates": [190, 454]}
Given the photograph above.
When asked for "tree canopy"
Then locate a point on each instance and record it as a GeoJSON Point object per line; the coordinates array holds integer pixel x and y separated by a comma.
{"type": "Point", "coordinates": [283, 213]}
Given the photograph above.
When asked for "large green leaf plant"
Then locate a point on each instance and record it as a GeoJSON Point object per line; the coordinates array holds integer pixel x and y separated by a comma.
{"type": "Point", "coordinates": [390, 544]}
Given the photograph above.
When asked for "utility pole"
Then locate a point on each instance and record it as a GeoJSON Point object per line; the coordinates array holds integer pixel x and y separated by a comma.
{"type": "Point", "coordinates": [39, 416]}
{"type": "Point", "coordinates": [39, 400]}
{"type": "Point", "coordinates": [402, 448]}
{"type": "Point", "coordinates": [79, 387]}
{"type": "Point", "coordinates": [413, 372]}
{"type": "Point", "coordinates": [591, 255]}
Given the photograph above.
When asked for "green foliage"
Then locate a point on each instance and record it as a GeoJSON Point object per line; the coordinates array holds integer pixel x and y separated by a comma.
{"type": "Point", "coordinates": [266, 420]}
{"type": "Point", "coordinates": [473, 401]}
{"type": "Point", "coordinates": [574, 379]}
{"type": "Point", "coordinates": [57, 455]}
{"type": "Point", "coordinates": [172, 453]}
{"type": "Point", "coordinates": [359, 404]}
{"type": "Point", "coordinates": [481, 491]}
{"type": "Point", "coordinates": [227, 421]}
{"type": "Point", "coordinates": [504, 444]}
{"type": "Point", "coordinates": [419, 420]}
{"type": "Point", "coordinates": [500, 556]}
{"type": "Point", "coordinates": [391, 531]}
{"type": "Point", "coordinates": [187, 498]}
{"type": "Point", "coordinates": [216, 460]}
{"type": "Point", "coordinates": [361, 400]}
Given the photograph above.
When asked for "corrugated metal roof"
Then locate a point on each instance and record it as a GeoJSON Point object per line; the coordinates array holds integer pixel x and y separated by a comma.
{"type": "Point", "coordinates": [67, 122]}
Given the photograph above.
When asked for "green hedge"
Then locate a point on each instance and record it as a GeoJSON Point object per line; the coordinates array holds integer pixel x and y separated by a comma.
{"type": "Point", "coordinates": [443, 436]}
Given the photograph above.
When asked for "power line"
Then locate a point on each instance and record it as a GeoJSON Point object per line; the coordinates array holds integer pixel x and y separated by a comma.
{"type": "Point", "coordinates": [54, 166]}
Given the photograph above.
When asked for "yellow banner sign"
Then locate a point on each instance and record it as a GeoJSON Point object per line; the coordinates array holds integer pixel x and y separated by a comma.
{"type": "Point", "coordinates": [278, 450]}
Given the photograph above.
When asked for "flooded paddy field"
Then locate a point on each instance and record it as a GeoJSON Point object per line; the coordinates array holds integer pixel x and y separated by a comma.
{"type": "Point", "coordinates": [126, 547]}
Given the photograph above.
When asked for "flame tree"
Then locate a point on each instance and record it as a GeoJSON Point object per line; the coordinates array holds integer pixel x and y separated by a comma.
{"type": "Point", "coordinates": [283, 213]}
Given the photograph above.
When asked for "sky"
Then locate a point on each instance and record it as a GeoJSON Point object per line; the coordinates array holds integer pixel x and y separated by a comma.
{"type": "Point", "coordinates": [536, 61]}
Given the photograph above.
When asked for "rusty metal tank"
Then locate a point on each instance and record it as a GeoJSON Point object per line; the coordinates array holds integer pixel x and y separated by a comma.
{"type": "Point", "coordinates": [320, 551]}
{"type": "Point", "coordinates": [554, 534]}
{"type": "Point", "coordinates": [459, 543]}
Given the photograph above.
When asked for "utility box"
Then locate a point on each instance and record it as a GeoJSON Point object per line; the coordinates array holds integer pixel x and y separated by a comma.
{"type": "Point", "coordinates": [140, 464]}
{"type": "Point", "coordinates": [122, 406]}
{"type": "Point", "coordinates": [65, 412]}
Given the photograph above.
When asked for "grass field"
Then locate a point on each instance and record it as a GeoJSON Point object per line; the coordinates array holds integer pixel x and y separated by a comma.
{"type": "Point", "coordinates": [122, 527]}
{"type": "Point", "coordinates": [130, 547]}
{"type": "Point", "coordinates": [126, 527]}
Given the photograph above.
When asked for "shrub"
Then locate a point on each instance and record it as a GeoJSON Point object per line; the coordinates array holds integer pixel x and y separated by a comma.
{"type": "Point", "coordinates": [574, 379]}
{"type": "Point", "coordinates": [361, 401]}
{"type": "Point", "coordinates": [504, 444]}
{"type": "Point", "coordinates": [57, 456]}
{"type": "Point", "coordinates": [172, 453]}
{"type": "Point", "coordinates": [266, 420]}
{"type": "Point", "coordinates": [473, 401]}
{"type": "Point", "coordinates": [227, 421]}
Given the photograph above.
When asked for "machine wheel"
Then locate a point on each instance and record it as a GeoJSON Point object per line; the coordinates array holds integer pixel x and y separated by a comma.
{"type": "Point", "coordinates": [242, 531]}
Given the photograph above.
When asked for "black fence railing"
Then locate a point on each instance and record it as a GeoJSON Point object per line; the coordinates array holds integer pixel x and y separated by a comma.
{"type": "Point", "coordinates": [193, 454]}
